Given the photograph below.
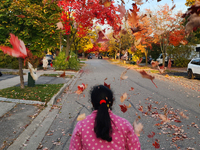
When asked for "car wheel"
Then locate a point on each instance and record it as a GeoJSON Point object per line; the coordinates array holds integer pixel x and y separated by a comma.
{"type": "Point", "coordinates": [190, 74]}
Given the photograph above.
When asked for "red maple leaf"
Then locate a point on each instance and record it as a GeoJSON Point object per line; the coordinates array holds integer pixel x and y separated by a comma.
{"type": "Point", "coordinates": [107, 85]}
{"type": "Point", "coordinates": [131, 89]}
{"type": "Point", "coordinates": [151, 135]}
{"type": "Point", "coordinates": [123, 108]}
{"type": "Point", "coordinates": [156, 144]}
{"type": "Point", "coordinates": [19, 49]}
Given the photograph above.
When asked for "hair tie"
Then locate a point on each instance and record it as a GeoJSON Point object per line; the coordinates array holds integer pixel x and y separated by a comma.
{"type": "Point", "coordinates": [102, 101]}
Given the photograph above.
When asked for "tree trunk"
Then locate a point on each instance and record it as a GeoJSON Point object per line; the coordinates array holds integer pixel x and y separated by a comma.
{"type": "Point", "coordinates": [60, 41]}
{"type": "Point", "coordinates": [21, 73]}
{"type": "Point", "coordinates": [68, 46]}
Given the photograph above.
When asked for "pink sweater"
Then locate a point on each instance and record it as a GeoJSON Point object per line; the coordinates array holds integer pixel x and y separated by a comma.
{"type": "Point", "coordinates": [123, 136]}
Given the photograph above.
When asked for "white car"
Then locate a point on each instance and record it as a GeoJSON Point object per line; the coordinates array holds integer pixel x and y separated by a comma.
{"type": "Point", "coordinates": [193, 68]}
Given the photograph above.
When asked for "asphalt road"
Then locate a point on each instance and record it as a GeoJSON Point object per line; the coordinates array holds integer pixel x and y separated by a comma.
{"type": "Point", "coordinates": [169, 97]}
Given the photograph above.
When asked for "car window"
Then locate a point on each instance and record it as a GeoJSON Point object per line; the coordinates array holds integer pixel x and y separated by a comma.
{"type": "Point", "coordinates": [195, 61]}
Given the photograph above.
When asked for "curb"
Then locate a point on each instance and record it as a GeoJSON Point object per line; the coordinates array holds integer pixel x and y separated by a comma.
{"type": "Point", "coordinates": [36, 131]}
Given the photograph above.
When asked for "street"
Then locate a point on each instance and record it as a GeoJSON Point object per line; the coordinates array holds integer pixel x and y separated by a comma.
{"type": "Point", "coordinates": [179, 133]}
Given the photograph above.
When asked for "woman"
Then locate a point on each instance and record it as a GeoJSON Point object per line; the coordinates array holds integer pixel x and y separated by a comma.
{"type": "Point", "coordinates": [103, 130]}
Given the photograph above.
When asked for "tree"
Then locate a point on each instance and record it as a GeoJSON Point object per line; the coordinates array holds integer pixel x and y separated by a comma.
{"type": "Point", "coordinates": [81, 15]}
{"type": "Point", "coordinates": [32, 21]}
{"type": "Point", "coordinates": [164, 22]}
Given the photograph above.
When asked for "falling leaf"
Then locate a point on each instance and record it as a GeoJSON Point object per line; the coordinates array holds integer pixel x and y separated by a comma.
{"type": "Point", "coordinates": [18, 50]}
{"type": "Point", "coordinates": [123, 77]}
{"type": "Point", "coordinates": [107, 85]}
{"type": "Point", "coordinates": [136, 29]}
{"type": "Point", "coordinates": [123, 97]}
{"type": "Point", "coordinates": [145, 75]}
{"type": "Point", "coordinates": [156, 144]}
{"type": "Point", "coordinates": [173, 7]}
{"type": "Point", "coordinates": [122, 10]}
{"type": "Point", "coordinates": [105, 79]}
{"type": "Point", "coordinates": [107, 4]}
{"type": "Point", "coordinates": [123, 108]}
{"type": "Point", "coordinates": [151, 135]}
{"type": "Point", "coordinates": [137, 128]}
{"type": "Point", "coordinates": [161, 70]}
{"type": "Point", "coordinates": [128, 106]}
{"type": "Point", "coordinates": [81, 117]}
{"type": "Point", "coordinates": [132, 15]}
{"type": "Point", "coordinates": [183, 115]}
{"type": "Point", "coordinates": [101, 37]}
{"type": "Point", "coordinates": [131, 89]}
{"type": "Point", "coordinates": [154, 63]}
{"type": "Point", "coordinates": [59, 25]}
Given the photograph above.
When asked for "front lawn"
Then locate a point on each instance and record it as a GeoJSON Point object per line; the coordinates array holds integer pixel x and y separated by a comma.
{"type": "Point", "coordinates": [41, 92]}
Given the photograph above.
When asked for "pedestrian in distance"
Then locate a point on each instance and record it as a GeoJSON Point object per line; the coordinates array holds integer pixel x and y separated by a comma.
{"type": "Point", "coordinates": [45, 63]}
{"type": "Point", "coordinates": [103, 130]}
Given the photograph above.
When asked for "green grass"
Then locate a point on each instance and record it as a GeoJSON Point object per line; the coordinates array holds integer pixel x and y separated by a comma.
{"type": "Point", "coordinates": [57, 75]}
{"type": "Point", "coordinates": [41, 92]}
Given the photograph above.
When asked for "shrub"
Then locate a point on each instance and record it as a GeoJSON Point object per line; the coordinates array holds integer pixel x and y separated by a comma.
{"type": "Point", "coordinates": [60, 62]}
{"type": "Point", "coordinates": [73, 61]}
{"type": "Point", "coordinates": [7, 61]}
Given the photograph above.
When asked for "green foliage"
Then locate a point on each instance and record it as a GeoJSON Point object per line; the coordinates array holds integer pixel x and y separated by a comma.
{"type": "Point", "coordinates": [181, 54]}
{"type": "Point", "coordinates": [32, 21]}
{"type": "Point", "coordinates": [60, 62]}
{"type": "Point", "coordinates": [73, 61]}
{"type": "Point", "coordinates": [7, 61]}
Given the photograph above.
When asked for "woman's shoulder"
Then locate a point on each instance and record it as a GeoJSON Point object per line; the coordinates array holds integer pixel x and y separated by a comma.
{"type": "Point", "coordinates": [119, 119]}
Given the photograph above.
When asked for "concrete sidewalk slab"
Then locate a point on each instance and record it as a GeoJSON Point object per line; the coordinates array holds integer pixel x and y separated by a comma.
{"type": "Point", "coordinates": [5, 107]}
{"type": "Point", "coordinates": [5, 77]}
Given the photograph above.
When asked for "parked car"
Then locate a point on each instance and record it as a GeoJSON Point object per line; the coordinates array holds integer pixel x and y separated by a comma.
{"type": "Point", "coordinates": [49, 58]}
{"type": "Point", "coordinates": [193, 68]}
{"type": "Point", "coordinates": [99, 56]}
{"type": "Point", "coordinates": [160, 60]}
{"type": "Point", "coordinates": [89, 56]}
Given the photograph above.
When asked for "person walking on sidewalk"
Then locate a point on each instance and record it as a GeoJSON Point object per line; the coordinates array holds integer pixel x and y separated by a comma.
{"type": "Point", "coordinates": [102, 129]}
{"type": "Point", "coordinates": [45, 63]}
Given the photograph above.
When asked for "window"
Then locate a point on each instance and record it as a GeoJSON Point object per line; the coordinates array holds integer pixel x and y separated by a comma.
{"type": "Point", "coordinates": [195, 62]}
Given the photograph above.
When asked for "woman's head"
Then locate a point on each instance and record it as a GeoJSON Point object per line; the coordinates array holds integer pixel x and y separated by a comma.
{"type": "Point", "coordinates": [101, 92]}
{"type": "Point", "coordinates": [102, 100]}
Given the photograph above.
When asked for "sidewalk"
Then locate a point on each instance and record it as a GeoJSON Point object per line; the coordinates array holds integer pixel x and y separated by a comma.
{"type": "Point", "coordinates": [15, 115]}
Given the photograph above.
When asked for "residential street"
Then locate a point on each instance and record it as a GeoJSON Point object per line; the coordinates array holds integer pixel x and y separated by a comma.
{"type": "Point", "coordinates": [169, 97]}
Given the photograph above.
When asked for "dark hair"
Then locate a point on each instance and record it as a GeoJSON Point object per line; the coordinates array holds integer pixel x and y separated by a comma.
{"type": "Point", "coordinates": [102, 126]}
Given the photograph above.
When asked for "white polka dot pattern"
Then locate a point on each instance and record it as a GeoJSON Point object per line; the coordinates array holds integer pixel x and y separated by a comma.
{"type": "Point", "coordinates": [123, 136]}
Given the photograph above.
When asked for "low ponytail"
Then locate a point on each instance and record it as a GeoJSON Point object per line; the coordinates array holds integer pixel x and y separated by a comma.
{"type": "Point", "coordinates": [102, 100]}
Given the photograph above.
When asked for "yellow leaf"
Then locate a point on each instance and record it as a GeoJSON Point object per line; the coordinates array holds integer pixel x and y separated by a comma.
{"type": "Point", "coordinates": [81, 117]}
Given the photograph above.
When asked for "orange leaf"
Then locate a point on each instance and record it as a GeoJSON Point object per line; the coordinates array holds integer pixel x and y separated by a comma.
{"type": "Point", "coordinates": [123, 97]}
{"type": "Point", "coordinates": [123, 77]}
{"type": "Point", "coordinates": [145, 75]}
{"type": "Point", "coordinates": [138, 127]}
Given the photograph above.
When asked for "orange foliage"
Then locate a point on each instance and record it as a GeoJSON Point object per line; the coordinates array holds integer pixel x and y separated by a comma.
{"type": "Point", "coordinates": [176, 37]}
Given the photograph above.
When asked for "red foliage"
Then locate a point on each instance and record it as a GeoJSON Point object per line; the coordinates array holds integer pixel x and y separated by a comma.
{"type": "Point", "coordinates": [156, 144]}
{"type": "Point", "coordinates": [151, 135]}
{"type": "Point", "coordinates": [123, 108]}
{"type": "Point", "coordinates": [84, 14]}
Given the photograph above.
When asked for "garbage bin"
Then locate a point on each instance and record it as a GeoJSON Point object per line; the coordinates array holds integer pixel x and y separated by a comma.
{"type": "Point", "coordinates": [31, 82]}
